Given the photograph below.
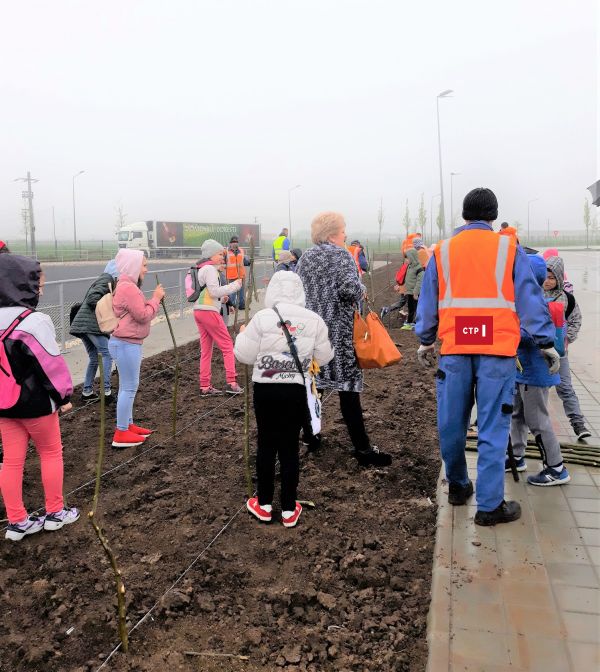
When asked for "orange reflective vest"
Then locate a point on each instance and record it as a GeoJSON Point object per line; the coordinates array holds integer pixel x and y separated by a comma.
{"type": "Point", "coordinates": [234, 268]}
{"type": "Point", "coordinates": [407, 243]}
{"type": "Point", "coordinates": [355, 251]}
{"type": "Point", "coordinates": [476, 300]}
{"type": "Point", "coordinates": [509, 231]}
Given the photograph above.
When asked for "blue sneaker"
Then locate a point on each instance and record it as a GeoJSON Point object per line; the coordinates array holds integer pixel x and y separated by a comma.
{"type": "Point", "coordinates": [521, 464]}
{"type": "Point", "coordinates": [549, 476]}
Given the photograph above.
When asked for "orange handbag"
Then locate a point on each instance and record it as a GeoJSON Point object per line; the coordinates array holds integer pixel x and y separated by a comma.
{"type": "Point", "coordinates": [372, 344]}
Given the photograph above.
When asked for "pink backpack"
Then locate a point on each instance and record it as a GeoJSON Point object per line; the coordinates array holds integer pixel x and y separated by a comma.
{"type": "Point", "coordinates": [10, 390]}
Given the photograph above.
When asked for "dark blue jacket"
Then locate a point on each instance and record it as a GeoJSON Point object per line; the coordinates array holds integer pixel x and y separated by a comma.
{"type": "Point", "coordinates": [535, 369]}
{"type": "Point", "coordinates": [529, 300]}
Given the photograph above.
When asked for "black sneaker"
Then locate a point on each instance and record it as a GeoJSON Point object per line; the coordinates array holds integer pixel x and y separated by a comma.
{"type": "Point", "coordinates": [373, 457]}
{"type": "Point", "coordinates": [109, 397]}
{"type": "Point", "coordinates": [581, 431]}
{"type": "Point", "coordinates": [384, 311]}
{"type": "Point", "coordinates": [92, 396]}
{"type": "Point", "coordinates": [505, 513]}
{"type": "Point", "coordinates": [458, 494]}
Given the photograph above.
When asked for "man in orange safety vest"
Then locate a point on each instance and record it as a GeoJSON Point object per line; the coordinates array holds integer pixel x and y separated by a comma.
{"type": "Point", "coordinates": [476, 298]}
{"type": "Point", "coordinates": [235, 261]}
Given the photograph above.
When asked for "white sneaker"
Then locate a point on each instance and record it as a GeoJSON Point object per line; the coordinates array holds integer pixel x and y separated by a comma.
{"type": "Point", "coordinates": [54, 521]}
{"type": "Point", "coordinates": [31, 525]}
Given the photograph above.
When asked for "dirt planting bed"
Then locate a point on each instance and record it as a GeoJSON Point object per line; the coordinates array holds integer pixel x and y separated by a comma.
{"type": "Point", "coordinates": [348, 589]}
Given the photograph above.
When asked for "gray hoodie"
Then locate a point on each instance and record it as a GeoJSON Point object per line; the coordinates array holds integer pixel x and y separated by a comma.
{"type": "Point", "coordinates": [557, 267]}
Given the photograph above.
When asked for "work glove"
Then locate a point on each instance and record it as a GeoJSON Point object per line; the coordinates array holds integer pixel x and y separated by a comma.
{"type": "Point", "coordinates": [426, 355]}
{"type": "Point", "coordinates": [552, 359]}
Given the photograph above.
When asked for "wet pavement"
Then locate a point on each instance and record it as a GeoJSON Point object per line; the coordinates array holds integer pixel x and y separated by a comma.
{"type": "Point", "coordinates": [525, 596]}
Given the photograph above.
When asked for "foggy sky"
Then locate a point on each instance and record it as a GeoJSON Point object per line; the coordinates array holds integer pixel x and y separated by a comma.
{"type": "Point", "coordinates": [211, 111]}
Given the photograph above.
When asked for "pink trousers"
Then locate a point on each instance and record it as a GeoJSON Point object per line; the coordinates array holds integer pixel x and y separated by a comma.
{"type": "Point", "coordinates": [213, 330]}
{"type": "Point", "coordinates": [45, 434]}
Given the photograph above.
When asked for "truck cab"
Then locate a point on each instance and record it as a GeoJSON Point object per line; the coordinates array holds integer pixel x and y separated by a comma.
{"type": "Point", "coordinates": [136, 236]}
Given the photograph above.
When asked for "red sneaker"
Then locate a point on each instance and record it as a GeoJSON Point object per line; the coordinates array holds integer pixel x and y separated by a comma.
{"type": "Point", "coordinates": [140, 430]}
{"type": "Point", "coordinates": [127, 439]}
{"type": "Point", "coordinates": [291, 521]}
{"type": "Point", "coordinates": [255, 509]}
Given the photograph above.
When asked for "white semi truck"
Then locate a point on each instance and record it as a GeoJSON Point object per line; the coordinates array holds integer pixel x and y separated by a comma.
{"type": "Point", "coordinates": [170, 239]}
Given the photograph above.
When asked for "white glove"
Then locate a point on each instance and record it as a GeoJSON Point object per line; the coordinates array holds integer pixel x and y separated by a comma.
{"type": "Point", "coordinates": [426, 355]}
{"type": "Point", "coordinates": [552, 359]}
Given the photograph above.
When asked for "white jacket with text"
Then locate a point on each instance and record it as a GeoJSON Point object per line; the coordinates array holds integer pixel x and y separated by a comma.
{"type": "Point", "coordinates": [263, 342]}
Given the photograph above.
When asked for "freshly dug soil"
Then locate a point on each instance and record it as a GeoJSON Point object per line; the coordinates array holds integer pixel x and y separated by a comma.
{"type": "Point", "coordinates": [347, 589]}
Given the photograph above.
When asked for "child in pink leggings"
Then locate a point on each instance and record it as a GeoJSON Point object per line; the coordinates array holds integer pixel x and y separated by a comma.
{"type": "Point", "coordinates": [35, 372]}
{"type": "Point", "coordinates": [210, 323]}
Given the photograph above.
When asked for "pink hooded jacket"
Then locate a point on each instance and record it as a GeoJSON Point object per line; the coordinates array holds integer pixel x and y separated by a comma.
{"type": "Point", "coordinates": [129, 303]}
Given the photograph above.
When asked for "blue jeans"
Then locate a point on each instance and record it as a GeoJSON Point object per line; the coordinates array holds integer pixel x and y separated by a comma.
{"type": "Point", "coordinates": [128, 357]}
{"type": "Point", "coordinates": [238, 296]}
{"type": "Point", "coordinates": [461, 379]}
{"type": "Point", "coordinates": [94, 345]}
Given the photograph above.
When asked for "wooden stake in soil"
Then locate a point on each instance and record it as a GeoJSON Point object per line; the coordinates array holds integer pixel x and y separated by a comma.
{"type": "Point", "coordinates": [372, 281]}
{"type": "Point", "coordinates": [176, 351]}
{"type": "Point", "coordinates": [122, 609]}
{"type": "Point", "coordinates": [240, 293]}
{"type": "Point", "coordinates": [249, 288]}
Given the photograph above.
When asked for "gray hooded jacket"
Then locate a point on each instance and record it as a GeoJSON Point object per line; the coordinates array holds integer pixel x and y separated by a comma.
{"type": "Point", "coordinates": [557, 267]}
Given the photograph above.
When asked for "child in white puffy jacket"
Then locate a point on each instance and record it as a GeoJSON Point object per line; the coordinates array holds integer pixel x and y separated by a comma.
{"type": "Point", "coordinates": [280, 401]}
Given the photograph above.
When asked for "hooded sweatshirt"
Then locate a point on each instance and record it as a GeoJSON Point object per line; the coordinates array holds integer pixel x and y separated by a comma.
{"type": "Point", "coordinates": [535, 369]}
{"type": "Point", "coordinates": [129, 302]}
{"type": "Point", "coordinates": [31, 349]}
{"type": "Point", "coordinates": [263, 342]}
{"type": "Point", "coordinates": [574, 319]}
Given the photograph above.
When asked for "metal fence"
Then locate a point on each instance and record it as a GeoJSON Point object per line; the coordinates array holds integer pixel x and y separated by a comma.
{"type": "Point", "coordinates": [61, 295]}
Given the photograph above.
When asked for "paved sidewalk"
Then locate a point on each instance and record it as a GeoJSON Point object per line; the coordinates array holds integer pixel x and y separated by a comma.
{"type": "Point", "coordinates": [525, 596]}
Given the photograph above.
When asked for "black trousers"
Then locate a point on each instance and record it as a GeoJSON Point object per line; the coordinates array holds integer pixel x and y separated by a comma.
{"type": "Point", "coordinates": [353, 417]}
{"type": "Point", "coordinates": [412, 308]}
{"type": "Point", "coordinates": [280, 410]}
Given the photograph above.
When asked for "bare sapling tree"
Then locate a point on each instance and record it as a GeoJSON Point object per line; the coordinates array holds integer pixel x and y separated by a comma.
{"type": "Point", "coordinates": [240, 292]}
{"type": "Point", "coordinates": [120, 586]}
{"type": "Point", "coordinates": [249, 289]}
{"type": "Point", "coordinates": [406, 218]}
{"type": "Point", "coordinates": [177, 366]}
{"type": "Point", "coordinates": [422, 217]}
{"type": "Point", "coordinates": [439, 222]}
{"type": "Point", "coordinates": [380, 220]}
{"type": "Point", "coordinates": [121, 217]}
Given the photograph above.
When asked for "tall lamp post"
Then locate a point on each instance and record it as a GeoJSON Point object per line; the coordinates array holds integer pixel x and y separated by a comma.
{"type": "Point", "coordinates": [443, 94]}
{"type": "Point", "coordinates": [528, 216]}
{"type": "Point", "coordinates": [290, 209]}
{"type": "Point", "coordinates": [431, 218]}
{"type": "Point", "coordinates": [452, 198]}
{"type": "Point", "coordinates": [74, 219]}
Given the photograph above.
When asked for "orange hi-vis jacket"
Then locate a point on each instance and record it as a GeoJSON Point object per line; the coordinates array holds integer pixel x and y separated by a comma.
{"type": "Point", "coordinates": [509, 231]}
{"type": "Point", "coordinates": [476, 300]}
{"type": "Point", "coordinates": [407, 243]}
{"type": "Point", "coordinates": [355, 251]}
{"type": "Point", "coordinates": [234, 268]}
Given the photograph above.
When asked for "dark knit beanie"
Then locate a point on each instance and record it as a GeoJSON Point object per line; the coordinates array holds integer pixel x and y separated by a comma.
{"type": "Point", "coordinates": [480, 204]}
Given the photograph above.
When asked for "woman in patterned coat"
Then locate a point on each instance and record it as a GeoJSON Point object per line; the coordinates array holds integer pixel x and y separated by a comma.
{"type": "Point", "coordinates": [333, 289]}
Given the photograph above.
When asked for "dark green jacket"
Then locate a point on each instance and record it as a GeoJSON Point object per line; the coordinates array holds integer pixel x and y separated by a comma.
{"type": "Point", "coordinates": [85, 321]}
{"type": "Point", "coordinates": [414, 273]}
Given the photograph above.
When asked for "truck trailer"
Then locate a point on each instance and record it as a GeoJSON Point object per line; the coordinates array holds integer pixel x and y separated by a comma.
{"type": "Point", "coordinates": [178, 239]}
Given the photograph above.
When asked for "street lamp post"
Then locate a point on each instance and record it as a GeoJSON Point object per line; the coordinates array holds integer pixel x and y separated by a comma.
{"type": "Point", "coordinates": [532, 200]}
{"type": "Point", "coordinates": [452, 198]}
{"type": "Point", "coordinates": [431, 218]}
{"type": "Point", "coordinates": [74, 219]}
{"type": "Point", "coordinates": [290, 209]}
{"type": "Point", "coordinates": [443, 94]}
